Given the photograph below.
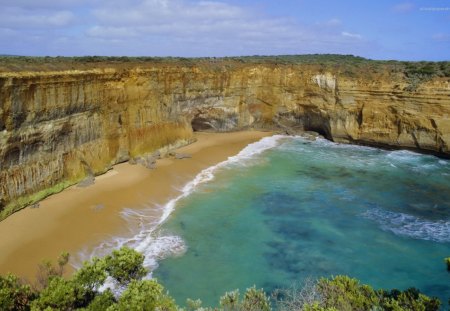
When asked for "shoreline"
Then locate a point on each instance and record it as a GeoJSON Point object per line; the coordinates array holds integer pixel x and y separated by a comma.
{"type": "Point", "coordinates": [93, 214]}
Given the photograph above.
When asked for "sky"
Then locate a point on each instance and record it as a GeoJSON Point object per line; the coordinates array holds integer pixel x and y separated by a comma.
{"type": "Point", "coordinates": [377, 29]}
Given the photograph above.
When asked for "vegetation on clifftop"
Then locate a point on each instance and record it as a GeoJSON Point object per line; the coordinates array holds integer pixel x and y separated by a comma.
{"type": "Point", "coordinates": [414, 73]}
{"type": "Point", "coordinates": [123, 271]}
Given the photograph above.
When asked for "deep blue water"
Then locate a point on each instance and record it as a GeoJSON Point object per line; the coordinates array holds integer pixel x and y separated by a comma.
{"type": "Point", "coordinates": [313, 209]}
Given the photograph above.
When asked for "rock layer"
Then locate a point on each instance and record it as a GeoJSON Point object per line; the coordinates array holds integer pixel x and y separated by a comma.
{"type": "Point", "coordinates": [56, 128]}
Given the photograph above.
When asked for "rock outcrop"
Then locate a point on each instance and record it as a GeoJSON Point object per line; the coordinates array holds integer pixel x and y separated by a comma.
{"type": "Point", "coordinates": [58, 127]}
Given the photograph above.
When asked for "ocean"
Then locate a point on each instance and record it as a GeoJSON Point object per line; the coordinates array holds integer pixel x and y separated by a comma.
{"type": "Point", "coordinates": [287, 208]}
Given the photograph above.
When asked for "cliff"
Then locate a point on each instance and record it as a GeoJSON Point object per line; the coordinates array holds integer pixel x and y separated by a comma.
{"type": "Point", "coordinates": [58, 126]}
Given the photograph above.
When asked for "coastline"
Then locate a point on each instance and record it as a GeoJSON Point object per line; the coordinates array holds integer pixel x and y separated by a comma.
{"type": "Point", "coordinates": [80, 218]}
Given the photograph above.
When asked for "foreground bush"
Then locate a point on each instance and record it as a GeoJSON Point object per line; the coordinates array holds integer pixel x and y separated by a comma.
{"type": "Point", "coordinates": [123, 270]}
{"type": "Point", "coordinates": [344, 293]}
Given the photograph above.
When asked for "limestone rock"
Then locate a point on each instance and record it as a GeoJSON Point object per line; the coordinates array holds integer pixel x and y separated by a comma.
{"type": "Point", "coordinates": [147, 161]}
{"type": "Point", "coordinates": [132, 161]}
{"type": "Point", "coordinates": [88, 181]}
{"type": "Point", "coordinates": [180, 156]}
{"type": "Point", "coordinates": [60, 126]}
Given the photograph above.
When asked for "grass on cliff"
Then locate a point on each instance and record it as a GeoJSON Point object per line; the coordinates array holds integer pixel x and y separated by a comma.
{"type": "Point", "coordinates": [421, 68]}
{"type": "Point", "coordinates": [125, 271]}
{"type": "Point", "coordinates": [25, 201]}
{"type": "Point", "coordinates": [351, 66]}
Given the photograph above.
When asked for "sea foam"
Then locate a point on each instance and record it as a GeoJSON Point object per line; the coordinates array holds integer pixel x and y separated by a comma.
{"type": "Point", "coordinates": [410, 226]}
{"type": "Point", "coordinates": [144, 224]}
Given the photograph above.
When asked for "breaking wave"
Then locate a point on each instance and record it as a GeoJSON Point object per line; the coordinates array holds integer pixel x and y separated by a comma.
{"type": "Point", "coordinates": [410, 226]}
{"type": "Point", "coordinates": [144, 225]}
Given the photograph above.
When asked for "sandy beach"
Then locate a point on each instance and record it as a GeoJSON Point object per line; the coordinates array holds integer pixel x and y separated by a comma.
{"type": "Point", "coordinates": [79, 218]}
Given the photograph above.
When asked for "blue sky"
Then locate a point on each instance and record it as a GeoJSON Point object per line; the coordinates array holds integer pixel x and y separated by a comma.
{"type": "Point", "coordinates": [382, 29]}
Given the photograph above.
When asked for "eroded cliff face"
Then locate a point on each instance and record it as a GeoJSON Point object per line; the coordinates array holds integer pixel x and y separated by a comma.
{"type": "Point", "coordinates": [58, 127]}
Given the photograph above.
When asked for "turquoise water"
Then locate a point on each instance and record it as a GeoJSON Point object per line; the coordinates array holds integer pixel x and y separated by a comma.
{"type": "Point", "coordinates": [313, 209]}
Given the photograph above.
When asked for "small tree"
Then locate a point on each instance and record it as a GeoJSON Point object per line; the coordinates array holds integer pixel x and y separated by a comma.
{"type": "Point", "coordinates": [146, 295]}
{"type": "Point", "coordinates": [14, 294]}
{"type": "Point", "coordinates": [125, 265]}
{"type": "Point", "coordinates": [345, 293]}
{"type": "Point", "coordinates": [230, 301]}
{"type": "Point", "coordinates": [60, 294]}
{"type": "Point", "coordinates": [254, 300]}
{"type": "Point", "coordinates": [82, 290]}
{"type": "Point", "coordinates": [102, 301]}
{"type": "Point", "coordinates": [193, 305]}
{"type": "Point", "coordinates": [91, 275]}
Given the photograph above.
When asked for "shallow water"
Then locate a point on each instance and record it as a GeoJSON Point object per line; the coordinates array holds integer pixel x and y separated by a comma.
{"type": "Point", "coordinates": [309, 209]}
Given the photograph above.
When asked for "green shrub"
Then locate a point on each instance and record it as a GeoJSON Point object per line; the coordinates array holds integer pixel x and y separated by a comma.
{"type": "Point", "coordinates": [410, 299]}
{"type": "Point", "coordinates": [230, 301]}
{"type": "Point", "coordinates": [254, 300]}
{"type": "Point", "coordinates": [144, 295]}
{"type": "Point", "coordinates": [60, 294]}
{"type": "Point", "coordinates": [92, 274]}
{"type": "Point", "coordinates": [125, 265]}
{"type": "Point", "coordinates": [345, 293]}
{"type": "Point", "coordinates": [193, 305]}
{"type": "Point", "coordinates": [27, 200]}
{"type": "Point", "coordinates": [82, 292]}
{"type": "Point", "coordinates": [102, 301]}
{"type": "Point", "coordinates": [14, 294]}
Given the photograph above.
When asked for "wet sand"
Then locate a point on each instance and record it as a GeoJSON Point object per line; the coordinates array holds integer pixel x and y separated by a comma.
{"type": "Point", "coordinates": [80, 218]}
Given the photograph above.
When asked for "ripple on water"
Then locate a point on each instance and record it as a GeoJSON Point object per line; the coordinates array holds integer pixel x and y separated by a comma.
{"type": "Point", "coordinates": [410, 226]}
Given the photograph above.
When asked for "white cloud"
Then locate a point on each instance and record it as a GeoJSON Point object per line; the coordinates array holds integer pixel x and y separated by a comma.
{"type": "Point", "coordinates": [351, 35]}
{"type": "Point", "coordinates": [221, 28]}
{"type": "Point", "coordinates": [173, 13]}
{"type": "Point", "coordinates": [199, 23]}
{"type": "Point", "coordinates": [166, 27]}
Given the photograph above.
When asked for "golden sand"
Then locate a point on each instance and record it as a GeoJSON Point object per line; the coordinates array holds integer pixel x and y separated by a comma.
{"type": "Point", "coordinates": [80, 218]}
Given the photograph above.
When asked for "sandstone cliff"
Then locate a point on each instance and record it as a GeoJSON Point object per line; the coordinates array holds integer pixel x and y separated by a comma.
{"type": "Point", "coordinates": [57, 127]}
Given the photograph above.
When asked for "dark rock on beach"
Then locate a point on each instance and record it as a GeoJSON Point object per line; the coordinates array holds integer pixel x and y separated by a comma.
{"type": "Point", "coordinates": [88, 181]}
{"type": "Point", "coordinates": [180, 156]}
{"type": "Point", "coordinates": [146, 161]}
{"type": "Point", "coordinates": [132, 161]}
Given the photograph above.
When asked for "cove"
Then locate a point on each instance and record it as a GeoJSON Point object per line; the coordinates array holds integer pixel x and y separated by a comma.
{"type": "Point", "coordinates": [312, 209]}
